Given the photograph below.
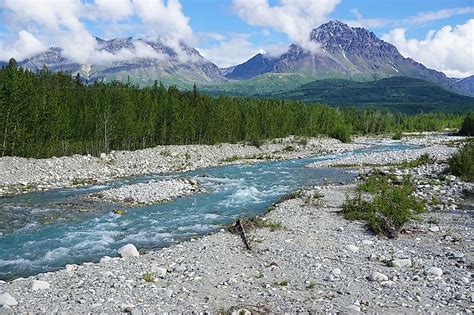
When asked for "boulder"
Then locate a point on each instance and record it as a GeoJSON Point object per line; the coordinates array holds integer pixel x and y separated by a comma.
{"type": "Point", "coordinates": [128, 250]}
{"type": "Point", "coordinates": [378, 277]}
{"type": "Point", "coordinates": [7, 300]}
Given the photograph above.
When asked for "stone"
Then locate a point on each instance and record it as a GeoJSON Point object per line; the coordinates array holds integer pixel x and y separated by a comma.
{"type": "Point", "coordinates": [7, 300]}
{"type": "Point", "coordinates": [353, 309]}
{"type": "Point", "coordinates": [378, 277]}
{"type": "Point", "coordinates": [71, 268]}
{"type": "Point", "coordinates": [159, 271]}
{"type": "Point", "coordinates": [434, 228]}
{"type": "Point", "coordinates": [39, 285]}
{"type": "Point", "coordinates": [180, 268]}
{"type": "Point", "coordinates": [435, 271]}
{"type": "Point", "coordinates": [336, 272]}
{"type": "Point", "coordinates": [401, 263]}
{"type": "Point", "coordinates": [128, 308]}
{"type": "Point", "coordinates": [352, 248]}
{"type": "Point", "coordinates": [367, 242]}
{"type": "Point", "coordinates": [105, 259]}
{"type": "Point", "coordinates": [128, 250]}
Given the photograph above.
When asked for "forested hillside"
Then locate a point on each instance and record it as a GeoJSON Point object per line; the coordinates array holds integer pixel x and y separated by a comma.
{"type": "Point", "coordinates": [50, 114]}
{"type": "Point", "coordinates": [403, 94]}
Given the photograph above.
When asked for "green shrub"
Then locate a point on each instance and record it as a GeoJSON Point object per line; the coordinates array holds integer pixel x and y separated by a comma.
{"type": "Point", "coordinates": [422, 160]}
{"type": "Point", "coordinates": [149, 277]}
{"type": "Point", "coordinates": [397, 136]}
{"type": "Point", "coordinates": [256, 142]}
{"type": "Point", "coordinates": [462, 163]}
{"type": "Point", "coordinates": [289, 148]}
{"type": "Point", "coordinates": [467, 128]}
{"type": "Point", "coordinates": [389, 209]}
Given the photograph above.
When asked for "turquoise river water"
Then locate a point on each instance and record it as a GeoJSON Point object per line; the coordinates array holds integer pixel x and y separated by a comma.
{"type": "Point", "coordinates": [42, 232]}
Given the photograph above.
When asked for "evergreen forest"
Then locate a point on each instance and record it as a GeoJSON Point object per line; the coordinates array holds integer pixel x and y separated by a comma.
{"type": "Point", "coordinates": [48, 114]}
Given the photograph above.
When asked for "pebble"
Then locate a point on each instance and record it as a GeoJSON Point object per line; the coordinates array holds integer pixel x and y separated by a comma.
{"type": "Point", "coordinates": [401, 263]}
{"type": "Point", "coordinates": [39, 285]}
{"type": "Point", "coordinates": [434, 228]}
{"type": "Point", "coordinates": [353, 248]}
{"type": "Point", "coordinates": [438, 272]}
{"type": "Point", "coordinates": [378, 277]}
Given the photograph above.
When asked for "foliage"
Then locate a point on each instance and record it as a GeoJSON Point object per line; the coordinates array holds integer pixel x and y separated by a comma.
{"type": "Point", "coordinates": [149, 277]}
{"type": "Point", "coordinates": [403, 94]}
{"type": "Point", "coordinates": [467, 128]}
{"type": "Point", "coordinates": [48, 114]}
{"type": "Point", "coordinates": [390, 208]}
{"type": "Point", "coordinates": [398, 135]}
{"type": "Point", "coordinates": [421, 160]}
{"type": "Point", "coordinates": [462, 162]}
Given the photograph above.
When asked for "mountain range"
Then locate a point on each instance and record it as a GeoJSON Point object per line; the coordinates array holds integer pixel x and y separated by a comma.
{"type": "Point", "coordinates": [344, 52]}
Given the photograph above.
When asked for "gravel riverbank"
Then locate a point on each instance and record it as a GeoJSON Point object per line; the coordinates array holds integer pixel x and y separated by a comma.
{"type": "Point", "coordinates": [305, 257]}
{"type": "Point", "coordinates": [20, 175]}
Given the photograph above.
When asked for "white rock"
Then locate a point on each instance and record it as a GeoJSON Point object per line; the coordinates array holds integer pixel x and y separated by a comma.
{"type": "Point", "coordinates": [435, 271]}
{"type": "Point", "coordinates": [180, 268]}
{"type": "Point", "coordinates": [159, 271]}
{"type": "Point", "coordinates": [353, 309]}
{"type": "Point", "coordinates": [434, 228]}
{"type": "Point", "coordinates": [7, 300]}
{"type": "Point", "coordinates": [367, 242]}
{"type": "Point", "coordinates": [336, 272]}
{"type": "Point", "coordinates": [71, 268]}
{"type": "Point", "coordinates": [377, 276]}
{"type": "Point", "coordinates": [401, 263]}
{"type": "Point", "coordinates": [105, 259]}
{"type": "Point", "coordinates": [39, 285]}
{"type": "Point", "coordinates": [128, 250]}
{"type": "Point", "coordinates": [353, 248]}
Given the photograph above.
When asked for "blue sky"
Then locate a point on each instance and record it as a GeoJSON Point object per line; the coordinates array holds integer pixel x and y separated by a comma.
{"type": "Point", "coordinates": [231, 31]}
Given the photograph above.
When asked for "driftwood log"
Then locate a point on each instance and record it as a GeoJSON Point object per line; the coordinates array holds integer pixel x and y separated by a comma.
{"type": "Point", "coordinates": [240, 228]}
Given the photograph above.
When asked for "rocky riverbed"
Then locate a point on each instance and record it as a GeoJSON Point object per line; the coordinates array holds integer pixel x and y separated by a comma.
{"type": "Point", "coordinates": [20, 175]}
{"type": "Point", "coordinates": [304, 257]}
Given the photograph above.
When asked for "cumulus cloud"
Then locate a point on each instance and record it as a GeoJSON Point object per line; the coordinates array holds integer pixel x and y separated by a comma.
{"type": "Point", "coordinates": [26, 46]}
{"type": "Point", "coordinates": [63, 24]}
{"type": "Point", "coordinates": [449, 49]}
{"type": "Point", "coordinates": [140, 50]}
{"type": "Point", "coordinates": [296, 18]}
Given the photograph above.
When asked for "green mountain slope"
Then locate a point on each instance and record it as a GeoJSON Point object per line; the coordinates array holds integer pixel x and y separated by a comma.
{"type": "Point", "coordinates": [397, 93]}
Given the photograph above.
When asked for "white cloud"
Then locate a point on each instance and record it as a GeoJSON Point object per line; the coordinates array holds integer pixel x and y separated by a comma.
{"type": "Point", "coordinates": [231, 51]}
{"type": "Point", "coordinates": [424, 17]}
{"type": "Point", "coordinates": [63, 24]}
{"type": "Point", "coordinates": [110, 10]}
{"type": "Point", "coordinates": [296, 18]}
{"type": "Point", "coordinates": [140, 50]}
{"type": "Point", "coordinates": [162, 18]}
{"type": "Point", "coordinates": [28, 43]}
{"type": "Point", "coordinates": [449, 49]}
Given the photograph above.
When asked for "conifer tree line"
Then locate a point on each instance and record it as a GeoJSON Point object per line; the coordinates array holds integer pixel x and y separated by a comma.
{"type": "Point", "coordinates": [48, 114]}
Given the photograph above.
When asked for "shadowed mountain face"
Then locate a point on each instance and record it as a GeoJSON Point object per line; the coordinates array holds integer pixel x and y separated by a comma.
{"type": "Point", "coordinates": [345, 53]}
{"type": "Point", "coordinates": [115, 60]}
{"type": "Point", "coordinates": [466, 84]}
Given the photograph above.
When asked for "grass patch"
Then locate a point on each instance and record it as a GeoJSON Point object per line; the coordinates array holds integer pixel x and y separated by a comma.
{"type": "Point", "coordinates": [231, 159]}
{"type": "Point", "coordinates": [255, 223]}
{"type": "Point", "coordinates": [422, 160]}
{"type": "Point", "coordinates": [289, 148]}
{"type": "Point", "coordinates": [283, 283]}
{"type": "Point", "coordinates": [149, 277]}
{"type": "Point", "coordinates": [462, 162]}
{"type": "Point", "coordinates": [392, 205]}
